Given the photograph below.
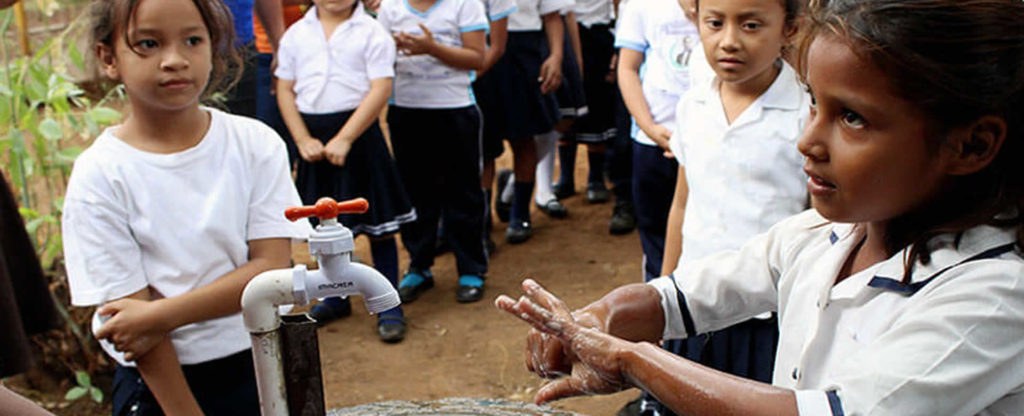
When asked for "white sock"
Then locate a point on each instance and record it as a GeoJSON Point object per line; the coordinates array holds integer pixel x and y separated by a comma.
{"type": "Point", "coordinates": [509, 191]}
{"type": "Point", "coordinates": [547, 148]}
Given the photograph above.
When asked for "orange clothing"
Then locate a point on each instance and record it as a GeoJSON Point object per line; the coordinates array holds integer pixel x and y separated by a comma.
{"type": "Point", "coordinates": [291, 15]}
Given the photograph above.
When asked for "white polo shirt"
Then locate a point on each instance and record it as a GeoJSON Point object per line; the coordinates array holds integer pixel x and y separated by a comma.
{"type": "Point", "coordinates": [743, 177]}
{"type": "Point", "coordinates": [499, 9]}
{"type": "Point", "coordinates": [333, 75]}
{"type": "Point", "coordinates": [529, 13]}
{"type": "Point", "coordinates": [950, 343]}
{"type": "Point", "coordinates": [423, 81]}
{"type": "Point", "coordinates": [669, 42]}
{"type": "Point", "coordinates": [176, 222]}
{"type": "Point", "coordinates": [593, 12]}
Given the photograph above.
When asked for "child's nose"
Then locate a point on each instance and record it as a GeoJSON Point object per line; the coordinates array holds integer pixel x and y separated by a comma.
{"type": "Point", "coordinates": [731, 38]}
{"type": "Point", "coordinates": [174, 60]}
{"type": "Point", "coordinates": [811, 144]}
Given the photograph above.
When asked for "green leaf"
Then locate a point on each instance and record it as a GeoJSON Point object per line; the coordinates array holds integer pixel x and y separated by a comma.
{"type": "Point", "coordinates": [51, 129]}
{"type": "Point", "coordinates": [68, 155]}
{"type": "Point", "coordinates": [104, 115]}
{"type": "Point", "coordinates": [33, 225]}
{"type": "Point", "coordinates": [28, 213]}
{"type": "Point", "coordinates": [75, 54]}
{"type": "Point", "coordinates": [97, 395]}
{"type": "Point", "coordinates": [83, 378]}
{"type": "Point", "coordinates": [75, 393]}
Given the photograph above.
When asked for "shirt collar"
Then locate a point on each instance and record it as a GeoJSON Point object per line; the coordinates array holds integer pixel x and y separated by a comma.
{"type": "Point", "coordinates": [976, 243]}
{"type": "Point", "coordinates": [310, 18]}
{"type": "Point", "coordinates": [785, 93]}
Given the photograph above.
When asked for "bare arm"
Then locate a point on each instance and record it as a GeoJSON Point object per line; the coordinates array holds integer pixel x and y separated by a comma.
{"type": "Point", "coordinates": [499, 37]}
{"type": "Point", "coordinates": [271, 15]}
{"type": "Point", "coordinates": [11, 402]}
{"type": "Point", "coordinates": [673, 232]}
{"type": "Point", "coordinates": [137, 326]}
{"type": "Point", "coordinates": [309, 147]}
{"type": "Point", "coordinates": [551, 68]}
{"type": "Point", "coordinates": [364, 115]}
{"type": "Point", "coordinates": [633, 95]}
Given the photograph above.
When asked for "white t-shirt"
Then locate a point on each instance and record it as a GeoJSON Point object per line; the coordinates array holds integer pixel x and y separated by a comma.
{"type": "Point", "coordinates": [176, 222]}
{"type": "Point", "coordinates": [529, 13]}
{"type": "Point", "coordinates": [670, 44]}
{"type": "Point", "coordinates": [333, 75]}
{"type": "Point", "coordinates": [498, 9]}
{"type": "Point", "coordinates": [593, 12]}
{"type": "Point", "coordinates": [745, 176]}
{"type": "Point", "coordinates": [948, 344]}
{"type": "Point", "coordinates": [423, 81]}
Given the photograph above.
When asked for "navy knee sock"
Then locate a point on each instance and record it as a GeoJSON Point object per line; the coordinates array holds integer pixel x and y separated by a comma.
{"type": "Point", "coordinates": [521, 201]}
{"type": "Point", "coordinates": [385, 260]}
{"type": "Point", "coordinates": [596, 162]}
{"type": "Point", "coordinates": [567, 164]}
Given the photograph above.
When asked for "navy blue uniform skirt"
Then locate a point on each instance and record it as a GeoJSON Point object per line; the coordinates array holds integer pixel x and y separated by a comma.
{"type": "Point", "coordinates": [369, 172]}
{"type": "Point", "coordinates": [518, 110]}
{"type": "Point", "coordinates": [490, 93]}
{"type": "Point", "coordinates": [598, 125]}
{"type": "Point", "coordinates": [223, 387]}
{"type": "Point", "coordinates": [572, 101]}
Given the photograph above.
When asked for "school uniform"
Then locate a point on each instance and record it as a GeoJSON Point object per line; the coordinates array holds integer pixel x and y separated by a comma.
{"type": "Point", "coordinates": [527, 112]}
{"type": "Point", "coordinates": [435, 131]}
{"type": "Point", "coordinates": [594, 18]}
{"type": "Point", "coordinates": [332, 77]}
{"type": "Point", "coordinates": [659, 30]}
{"type": "Point", "coordinates": [173, 223]}
{"type": "Point", "coordinates": [947, 343]}
{"type": "Point", "coordinates": [488, 91]}
{"type": "Point", "coordinates": [572, 99]}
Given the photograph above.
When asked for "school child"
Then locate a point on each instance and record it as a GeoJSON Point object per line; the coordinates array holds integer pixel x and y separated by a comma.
{"type": "Point", "coordinates": [656, 45]}
{"type": "Point", "coordinates": [901, 291]}
{"type": "Point", "coordinates": [266, 102]}
{"type": "Point", "coordinates": [334, 78]}
{"type": "Point", "coordinates": [169, 215]}
{"type": "Point", "coordinates": [533, 72]}
{"type": "Point", "coordinates": [489, 92]}
{"type": "Point", "coordinates": [435, 132]}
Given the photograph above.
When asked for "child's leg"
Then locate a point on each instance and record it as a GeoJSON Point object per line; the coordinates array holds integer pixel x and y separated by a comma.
{"type": "Point", "coordinates": [417, 158]}
{"type": "Point", "coordinates": [390, 323]}
{"type": "Point", "coordinates": [654, 181]}
{"type": "Point", "coordinates": [566, 185]}
{"type": "Point", "coordinates": [463, 199]}
{"type": "Point", "coordinates": [524, 151]}
{"type": "Point", "coordinates": [620, 173]}
{"type": "Point", "coordinates": [597, 192]}
{"type": "Point", "coordinates": [545, 197]}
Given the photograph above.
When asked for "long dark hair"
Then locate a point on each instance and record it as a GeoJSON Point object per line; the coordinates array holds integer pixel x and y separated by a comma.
{"type": "Point", "coordinates": [110, 18]}
{"type": "Point", "coordinates": [958, 60]}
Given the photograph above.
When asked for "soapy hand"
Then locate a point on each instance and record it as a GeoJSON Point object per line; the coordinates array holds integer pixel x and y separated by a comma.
{"type": "Point", "coordinates": [595, 357]}
{"type": "Point", "coordinates": [135, 326]}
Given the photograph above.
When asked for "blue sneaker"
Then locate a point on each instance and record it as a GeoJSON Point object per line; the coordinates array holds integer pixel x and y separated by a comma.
{"type": "Point", "coordinates": [414, 283]}
{"type": "Point", "coordinates": [471, 288]}
{"type": "Point", "coordinates": [330, 309]}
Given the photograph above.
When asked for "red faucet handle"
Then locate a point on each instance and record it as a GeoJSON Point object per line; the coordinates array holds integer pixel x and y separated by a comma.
{"type": "Point", "coordinates": [327, 208]}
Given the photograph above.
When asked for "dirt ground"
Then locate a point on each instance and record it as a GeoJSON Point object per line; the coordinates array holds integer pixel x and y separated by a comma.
{"type": "Point", "coordinates": [473, 350]}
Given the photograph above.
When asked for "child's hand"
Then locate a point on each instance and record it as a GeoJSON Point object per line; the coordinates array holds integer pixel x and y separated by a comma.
{"type": "Point", "coordinates": [595, 356]}
{"type": "Point", "coordinates": [135, 326]}
{"type": "Point", "coordinates": [411, 44]}
{"type": "Point", "coordinates": [550, 75]}
{"type": "Point", "coordinates": [310, 149]}
{"type": "Point", "coordinates": [336, 151]}
{"type": "Point", "coordinates": [660, 135]}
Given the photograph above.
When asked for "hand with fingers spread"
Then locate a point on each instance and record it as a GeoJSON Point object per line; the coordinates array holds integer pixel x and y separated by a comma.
{"type": "Point", "coordinates": [413, 44]}
{"type": "Point", "coordinates": [595, 357]}
{"type": "Point", "coordinates": [135, 326]}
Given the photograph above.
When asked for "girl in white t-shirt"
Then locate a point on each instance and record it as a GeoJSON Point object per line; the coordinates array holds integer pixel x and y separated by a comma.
{"type": "Point", "coordinates": [334, 71]}
{"type": "Point", "coordinates": [435, 133]}
{"type": "Point", "coordinates": [901, 292]}
{"type": "Point", "coordinates": [169, 215]}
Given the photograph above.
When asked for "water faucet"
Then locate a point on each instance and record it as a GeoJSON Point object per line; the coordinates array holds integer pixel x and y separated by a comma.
{"type": "Point", "coordinates": [332, 245]}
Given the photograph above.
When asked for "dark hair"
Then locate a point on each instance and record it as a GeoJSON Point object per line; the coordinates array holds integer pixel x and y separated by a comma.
{"type": "Point", "coordinates": [958, 60]}
{"type": "Point", "coordinates": [110, 18]}
{"type": "Point", "coordinates": [792, 7]}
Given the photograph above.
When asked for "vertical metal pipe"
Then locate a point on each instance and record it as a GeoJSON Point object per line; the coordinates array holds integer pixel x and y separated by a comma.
{"type": "Point", "coordinates": [300, 351]}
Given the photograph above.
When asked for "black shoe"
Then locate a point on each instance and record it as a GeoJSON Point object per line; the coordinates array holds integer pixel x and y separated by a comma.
{"type": "Point", "coordinates": [630, 409]}
{"type": "Point", "coordinates": [562, 190]}
{"type": "Point", "coordinates": [330, 309]}
{"type": "Point", "coordinates": [597, 193]}
{"type": "Point", "coordinates": [471, 289]}
{"type": "Point", "coordinates": [623, 218]}
{"type": "Point", "coordinates": [503, 209]}
{"type": "Point", "coordinates": [413, 284]}
{"type": "Point", "coordinates": [518, 232]}
{"type": "Point", "coordinates": [553, 208]}
{"type": "Point", "coordinates": [391, 328]}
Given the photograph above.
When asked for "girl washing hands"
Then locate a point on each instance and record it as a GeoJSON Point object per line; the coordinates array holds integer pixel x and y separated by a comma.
{"type": "Point", "coordinates": [896, 292]}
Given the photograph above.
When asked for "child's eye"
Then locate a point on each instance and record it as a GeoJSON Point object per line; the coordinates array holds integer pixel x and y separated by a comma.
{"type": "Point", "coordinates": [193, 40]}
{"type": "Point", "coordinates": [146, 44]}
{"type": "Point", "coordinates": [714, 23]}
{"type": "Point", "coordinates": [852, 119]}
{"type": "Point", "coordinates": [751, 25]}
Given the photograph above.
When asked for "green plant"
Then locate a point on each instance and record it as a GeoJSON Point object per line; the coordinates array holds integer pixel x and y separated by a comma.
{"type": "Point", "coordinates": [84, 387]}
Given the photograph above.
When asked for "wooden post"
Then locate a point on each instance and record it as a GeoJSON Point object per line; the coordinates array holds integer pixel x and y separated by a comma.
{"type": "Point", "coordinates": [19, 18]}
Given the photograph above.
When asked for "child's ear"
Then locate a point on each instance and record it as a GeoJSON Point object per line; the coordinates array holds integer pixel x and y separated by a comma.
{"type": "Point", "coordinates": [976, 145]}
{"type": "Point", "coordinates": [108, 61]}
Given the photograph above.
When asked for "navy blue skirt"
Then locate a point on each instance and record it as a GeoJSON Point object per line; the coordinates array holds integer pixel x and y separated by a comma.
{"type": "Point", "coordinates": [572, 100]}
{"type": "Point", "coordinates": [369, 172]}
{"type": "Point", "coordinates": [515, 109]}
